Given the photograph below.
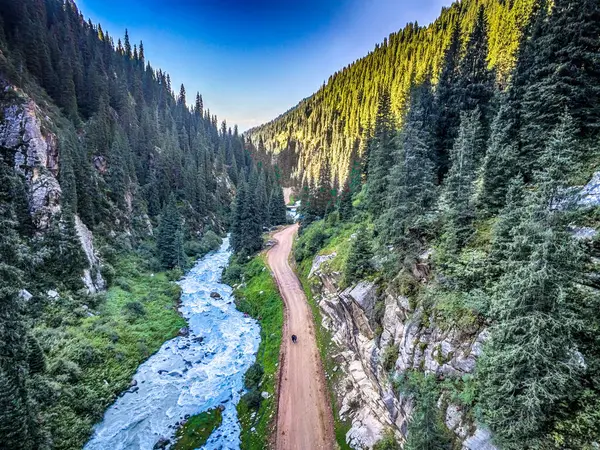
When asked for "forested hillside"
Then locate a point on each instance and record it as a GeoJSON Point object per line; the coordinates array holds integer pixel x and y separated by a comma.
{"type": "Point", "coordinates": [330, 127]}
{"type": "Point", "coordinates": [110, 185]}
{"type": "Point", "coordinates": [460, 203]}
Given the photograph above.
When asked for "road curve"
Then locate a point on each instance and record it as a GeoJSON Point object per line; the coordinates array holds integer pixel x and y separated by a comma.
{"type": "Point", "coordinates": [304, 417]}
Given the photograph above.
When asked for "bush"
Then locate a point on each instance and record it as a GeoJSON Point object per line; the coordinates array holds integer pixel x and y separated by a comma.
{"type": "Point", "coordinates": [193, 248]}
{"type": "Point", "coordinates": [253, 376]}
{"type": "Point", "coordinates": [174, 274]}
{"type": "Point", "coordinates": [123, 283]}
{"type": "Point", "coordinates": [211, 241]}
{"type": "Point", "coordinates": [310, 242]}
{"type": "Point", "coordinates": [389, 357]}
{"type": "Point", "coordinates": [253, 399]}
{"type": "Point", "coordinates": [233, 272]}
{"type": "Point", "coordinates": [66, 370]}
{"type": "Point", "coordinates": [108, 272]}
{"type": "Point", "coordinates": [387, 442]}
{"type": "Point", "coordinates": [134, 310]}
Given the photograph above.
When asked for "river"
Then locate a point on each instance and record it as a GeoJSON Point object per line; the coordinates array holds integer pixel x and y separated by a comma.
{"type": "Point", "coordinates": [191, 374]}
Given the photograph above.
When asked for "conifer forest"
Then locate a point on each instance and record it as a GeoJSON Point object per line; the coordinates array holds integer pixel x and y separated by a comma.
{"type": "Point", "coordinates": [447, 187]}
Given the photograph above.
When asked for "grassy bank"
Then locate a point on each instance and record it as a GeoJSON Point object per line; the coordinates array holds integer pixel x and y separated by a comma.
{"type": "Point", "coordinates": [196, 431]}
{"type": "Point", "coordinates": [95, 343]}
{"type": "Point", "coordinates": [257, 295]}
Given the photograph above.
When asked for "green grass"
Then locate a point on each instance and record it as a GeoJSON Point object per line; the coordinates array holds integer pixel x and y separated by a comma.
{"type": "Point", "coordinates": [260, 298]}
{"type": "Point", "coordinates": [196, 431]}
{"type": "Point", "coordinates": [91, 358]}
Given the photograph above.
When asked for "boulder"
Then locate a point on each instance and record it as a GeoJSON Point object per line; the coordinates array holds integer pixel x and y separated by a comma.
{"type": "Point", "coordinates": [215, 295]}
{"type": "Point", "coordinates": [590, 194]}
{"type": "Point", "coordinates": [162, 443]}
{"type": "Point", "coordinates": [25, 294]}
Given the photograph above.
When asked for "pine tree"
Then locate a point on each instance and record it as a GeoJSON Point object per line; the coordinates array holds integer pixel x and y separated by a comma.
{"type": "Point", "coordinates": [447, 101]}
{"type": "Point", "coordinates": [458, 198]}
{"type": "Point", "coordinates": [199, 108]}
{"type": "Point", "coordinates": [475, 80]}
{"type": "Point", "coordinates": [564, 73]}
{"type": "Point", "coordinates": [358, 262]}
{"type": "Point", "coordinates": [169, 242]}
{"type": "Point", "coordinates": [64, 256]}
{"type": "Point", "coordinates": [345, 202]}
{"type": "Point", "coordinates": [277, 207]}
{"type": "Point", "coordinates": [35, 358]}
{"type": "Point", "coordinates": [262, 200]}
{"type": "Point", "coordinates": [500, 163]}
{"type": "Point", "coordinates": [68, 182]}
{"type": "Point", "coordinates": [13, 425]}
{"type": "Point", "coordinates": [322, 199]}
{"type": "Point", "coordinates": [530, 368]}
{"type": "Point", "coordinates": [237, 239]}
{"type": "Point", "coordinates": [411, 190]}
{"type": "Point", "coordinates": [425, 428]}
{"type": "Point", "coordinates": [14, 416]}
{"type": "Point", "coordinates": [382, 147]}
{"type": "Point", "coordinates": [127, 46]}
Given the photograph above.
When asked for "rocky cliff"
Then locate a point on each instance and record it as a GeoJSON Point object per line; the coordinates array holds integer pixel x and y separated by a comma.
{"type": "Point", "coordinates": [25, 135]}
{"type": "Point", "coordinates": [362, 343]}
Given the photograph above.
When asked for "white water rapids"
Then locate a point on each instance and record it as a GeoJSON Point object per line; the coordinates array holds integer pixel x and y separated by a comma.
{"type": "Point", "coordinates": [188, 375]}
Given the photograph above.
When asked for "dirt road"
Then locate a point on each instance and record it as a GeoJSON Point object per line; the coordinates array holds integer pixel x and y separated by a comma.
{"type": "Point", "coordinates": [304, 417]}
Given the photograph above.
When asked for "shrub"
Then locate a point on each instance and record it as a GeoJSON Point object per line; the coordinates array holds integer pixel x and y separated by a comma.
{"type": "Point", "coordinates": [389, 357]}
{"type": "Point", "coordinates": [310, 242]}
{"type": "Point", "coordinates": [253, 399]}
{"type": "Point", "coordinates": [134, 310]}
{"type": "Point", "coordinates": [253, 376]}
{"type": "Point", "coordinates": [387, 442]}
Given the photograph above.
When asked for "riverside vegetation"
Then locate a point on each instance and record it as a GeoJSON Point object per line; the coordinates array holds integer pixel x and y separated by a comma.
{"type": "Point", "coordinates": [107, 179]}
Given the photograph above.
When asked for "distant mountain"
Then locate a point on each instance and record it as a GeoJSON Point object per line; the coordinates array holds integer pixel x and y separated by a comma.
{"type": "Point", "coordinates": [331, 124]}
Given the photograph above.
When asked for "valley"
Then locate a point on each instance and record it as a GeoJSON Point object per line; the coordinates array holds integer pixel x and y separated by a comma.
{"type": "Point", "coordinates": [407, 259]}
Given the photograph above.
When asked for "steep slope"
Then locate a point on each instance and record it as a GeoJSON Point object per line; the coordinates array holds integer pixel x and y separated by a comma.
{"type": "Point", "coordinates": [455, 274]}
{"type": "Point", "coordinates": [110, 185]}
{"type": "Point", "coordinates": [328, 127]}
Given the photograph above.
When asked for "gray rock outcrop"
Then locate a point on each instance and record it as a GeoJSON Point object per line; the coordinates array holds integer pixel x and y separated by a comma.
{"type": "Point", "coordinates": [363, 388]}
{"type": "Point", "coordinates": [35, 156]}
{"type": "Point", "coordinates": [25, 133]}
{"type": "Point", "coordinates": [92, 278]}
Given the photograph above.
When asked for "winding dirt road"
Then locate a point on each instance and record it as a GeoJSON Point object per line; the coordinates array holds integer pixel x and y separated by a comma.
{"type": "Point", "coordinates": [304, 417]}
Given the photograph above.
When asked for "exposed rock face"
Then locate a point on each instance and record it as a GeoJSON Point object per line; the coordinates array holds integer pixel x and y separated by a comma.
{"type": "Point", "coordinates": [24, 134]}
{"type": "Point", "coordinates": [590, 193]}
{"type": "Point", "coordinates": [364, 390]}
{"type": "Point", "coordinates": [35, 156]}
{"type": "Point", "coordinates": [91, 276]}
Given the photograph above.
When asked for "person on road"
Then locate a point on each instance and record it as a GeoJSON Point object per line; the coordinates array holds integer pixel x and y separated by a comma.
{"type": "Point", "coordinates": [294, 338]}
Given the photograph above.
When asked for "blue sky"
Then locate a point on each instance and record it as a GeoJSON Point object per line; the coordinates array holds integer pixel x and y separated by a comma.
{"type": "Point", "coordinates": [252, 60]}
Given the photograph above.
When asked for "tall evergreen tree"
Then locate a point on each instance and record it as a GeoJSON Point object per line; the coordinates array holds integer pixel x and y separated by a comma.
{"type": "Point", "coordinates": [411, 190]}
{"type": "Point", "coordinates": [169, 241]}
{"type": "Point", "coordinates": [345, 202]}
{"type": "Point", "coordinates": [426, 430]}
{"type": "Point", "coordinates": [382, 147]}
{"type": "Point", "coordinates": [475, 80]}
{"type": "Point", "coordinates": [564, 73]}
{"type": "Point", "coordinates": [447, 101]}
{"type": "Point", "coordinates": [458, 197]}
{"type": "Point", "coordinates": [358, 263]}
{"type": "Point", "coordinates": [277, 207]}
{"type": "Point", "coordinates": [530, 367]}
